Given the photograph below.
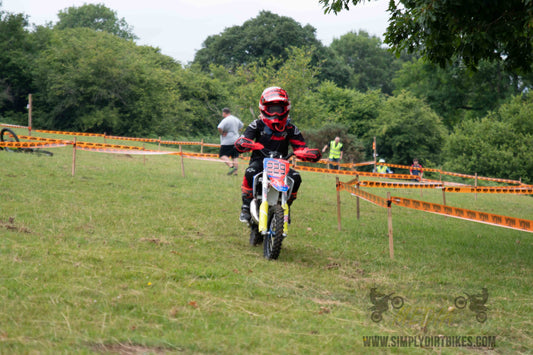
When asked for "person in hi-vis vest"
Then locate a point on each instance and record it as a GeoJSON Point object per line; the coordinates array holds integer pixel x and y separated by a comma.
{"type": "Point", "coordinates": [335, 152]}
{"type": "Point", "coordinates": [383, 169]}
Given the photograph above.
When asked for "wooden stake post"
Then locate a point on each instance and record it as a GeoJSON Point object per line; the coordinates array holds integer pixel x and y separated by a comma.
{"type": "Point", "coordinates": [338, 204]}
{"type": "Point", "coordinates": [475, 184]}
{"type": "Point", "coordinates": [182, 164]}
{"type": "Point", "coordinates": [29, 114]}
{"type": "Point", "coordinates": [375, 153]}
{"type": "Point", "coordinates": [357, 197]}
{"type": "Point", "coordinates": [74, 157]}
{"type": "Point", "coordinates": [391, 239]}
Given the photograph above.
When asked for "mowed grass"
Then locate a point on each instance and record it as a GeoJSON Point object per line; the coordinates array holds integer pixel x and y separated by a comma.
{"type": "Point", "coordinates": [129, 255]}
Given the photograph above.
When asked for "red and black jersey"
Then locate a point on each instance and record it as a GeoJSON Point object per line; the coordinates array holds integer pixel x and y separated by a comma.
{"type": "Point", "coordinates": [272, 140]}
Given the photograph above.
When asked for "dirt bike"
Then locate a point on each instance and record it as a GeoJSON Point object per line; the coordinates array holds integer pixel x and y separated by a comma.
{"type": "Point", "coordinates": [269, 208]}
{"type": "Point", "coordinates": [382, 305]}
{"type": "Point", "coordinates": [476, 305]}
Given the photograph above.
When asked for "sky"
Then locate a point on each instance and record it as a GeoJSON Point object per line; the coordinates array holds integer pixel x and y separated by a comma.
{"type": "Point", "coordinates": [179, 27]}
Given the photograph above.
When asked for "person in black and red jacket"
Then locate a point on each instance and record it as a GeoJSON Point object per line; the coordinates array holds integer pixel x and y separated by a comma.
{"type": "Point", "coordinates": [272, 131]}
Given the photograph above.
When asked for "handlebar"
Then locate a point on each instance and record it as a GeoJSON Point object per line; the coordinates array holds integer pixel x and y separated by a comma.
{"type": "Point", "coordinates": [274, 154]}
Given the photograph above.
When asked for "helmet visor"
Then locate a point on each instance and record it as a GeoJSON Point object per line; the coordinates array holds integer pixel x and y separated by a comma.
{"type": "Point", "coordinates": [276, 109]}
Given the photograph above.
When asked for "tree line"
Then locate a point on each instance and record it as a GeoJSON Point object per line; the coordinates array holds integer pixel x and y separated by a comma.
{"type": "Point", "coordinates": [86, 73]}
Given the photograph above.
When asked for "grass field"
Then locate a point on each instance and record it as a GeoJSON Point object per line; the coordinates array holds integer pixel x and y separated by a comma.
{"type": "Point", "coordinates": [130, 257]}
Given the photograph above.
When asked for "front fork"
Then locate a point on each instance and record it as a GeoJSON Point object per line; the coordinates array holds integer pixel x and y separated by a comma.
{"type": "Point", "coordinates": [263, 217]}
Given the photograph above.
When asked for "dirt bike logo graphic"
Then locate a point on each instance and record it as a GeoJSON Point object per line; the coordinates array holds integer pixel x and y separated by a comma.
{"type": "Point", "coordinates": [477, 304]}
{"type": "Point", "coordinates": [381, 304]}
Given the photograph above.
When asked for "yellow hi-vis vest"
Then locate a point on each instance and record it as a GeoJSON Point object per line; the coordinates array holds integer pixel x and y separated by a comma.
{"type": "Point", "coordinates": [382, 169]}
{"type": "Point", "coordinates": [335, 150]}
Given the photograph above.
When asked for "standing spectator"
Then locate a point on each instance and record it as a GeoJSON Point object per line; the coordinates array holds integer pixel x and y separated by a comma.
{"type": "Point", "coordinates": [229, 129]}
{"type": "Point", "coordinates": [335, 152]}
{"type": "Point", "coordinates": [415, 170]}
{"type": "Point", "coordinates": [383, 169]}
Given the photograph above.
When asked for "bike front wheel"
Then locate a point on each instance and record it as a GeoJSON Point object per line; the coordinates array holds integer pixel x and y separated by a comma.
{"type": "Point", "coordinates": [397, 302]}
{"type": "Point", "coordinates": [273, 239]}
{"type": "Point", "coordinates": [460, 302]}
{"type": "Point", "coordinates": [7, 135]}
{"type": "Point", "coordinates": [481, 317]}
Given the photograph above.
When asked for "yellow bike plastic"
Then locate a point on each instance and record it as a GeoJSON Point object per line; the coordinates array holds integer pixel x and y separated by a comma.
{"type": "Point", "coordinates": [263, 216]}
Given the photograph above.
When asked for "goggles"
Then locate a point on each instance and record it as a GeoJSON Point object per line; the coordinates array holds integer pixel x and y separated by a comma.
{"type": "Point", "coordinates": [276, 109]}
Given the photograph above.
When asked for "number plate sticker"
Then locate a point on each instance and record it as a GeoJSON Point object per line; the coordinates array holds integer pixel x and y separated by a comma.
{"type": "Point", "coordinates": [276, 168]}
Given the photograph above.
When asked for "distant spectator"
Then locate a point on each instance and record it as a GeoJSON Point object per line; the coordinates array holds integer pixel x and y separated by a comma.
{"type": "Point", "coordinates": [335, 152]}
{"type": "Point", "coordinates": [229, 129]}
{"type": "Point", "coordinates": [415, 170]}
{"type": "Point", "coordinates": [383, 169]}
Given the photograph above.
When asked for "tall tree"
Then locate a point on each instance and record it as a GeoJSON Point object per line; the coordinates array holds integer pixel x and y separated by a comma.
{"type": "Point", "coordinates": [495, 30]}
{"type": "Point", "coordinates": [352, 109]}
{"type": "Point", "coordinates": [499, 145]}
{"type": "Point", "coordinates": [97, 82]}
{"type": "Point", "coordinates": [456, 93]}
{"type": "Point", "coordinates": [15, 62]}
{"type": "Point", "coordinates": [371, 65]}
{"type": "Point", "coordinates": [257, 40]}
{"type": "Point", "coordinates": [97, 17]}
{"type": "Point", "coordinates": [407, 128]}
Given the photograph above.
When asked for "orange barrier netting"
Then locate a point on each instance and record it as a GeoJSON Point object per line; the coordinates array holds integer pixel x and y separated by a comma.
{"type": "Point", "coordinates": [509, 181]}
{"type": "Point", "coordinates": [408, 167]}
{"type": "Point", "coordinates": [80, 145]}
{"type": "Point", "coordinates": [345, 165]}
{"type": "Point", "coordinates": [125, 151]}
{"type": "Point", "coordinates": [13, 125]}
{"type": "Point", "coordinates": [35, 145]}
{"type": "Point", "coordinates": [399, 185]}
{"type": "Point", "coordinates": [322, 170]}
{"type": "Point", "coordinates": [351, 172]}
{"type": "Point", "coordinates": [70, 133]}
{"type": "Point", "coordinates": [377, 200]}
{"type": "Point", "coordinates": [31, 138]}
{"type": "Point", "coordinates": [148, 140]}
{"type": "Point", "coordinates": [191, 143]}
{"type": "Point", "coordinates": [455, 212]}
{"type": "Point", "coordinates": [462, 213]}
{"type": "Point", "coordinates": [522, 189]}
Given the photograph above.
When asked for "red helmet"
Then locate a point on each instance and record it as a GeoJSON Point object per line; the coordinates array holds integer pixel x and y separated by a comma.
{"type": "Point", "coordinates": [275, 106]}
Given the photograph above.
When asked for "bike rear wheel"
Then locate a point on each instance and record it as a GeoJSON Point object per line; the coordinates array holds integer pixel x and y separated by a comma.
{"type": "Point", "coordinates": [273, 239]}
{"type": "Point", "coordinates": [7, 135]}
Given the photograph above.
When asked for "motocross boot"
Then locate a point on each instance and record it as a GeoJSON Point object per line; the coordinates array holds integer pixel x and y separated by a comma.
{"type": "Point", "coordinates": [245, 209]}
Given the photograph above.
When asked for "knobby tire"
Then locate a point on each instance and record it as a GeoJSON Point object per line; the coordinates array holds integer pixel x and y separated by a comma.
{"type": "Point", "coordinates": [272, 241]}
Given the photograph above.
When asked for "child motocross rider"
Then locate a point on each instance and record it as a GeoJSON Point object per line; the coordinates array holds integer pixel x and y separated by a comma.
{"type": "Point", "coordinates": [272, 131]}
